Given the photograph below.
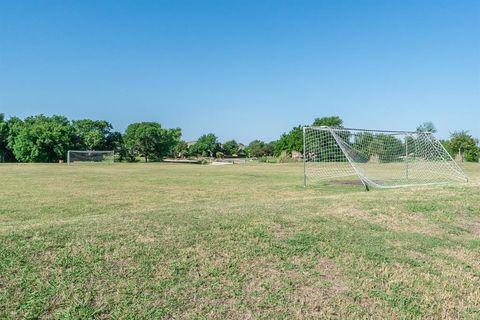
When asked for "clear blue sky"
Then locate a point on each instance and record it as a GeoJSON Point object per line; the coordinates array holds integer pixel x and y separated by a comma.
{"type": "Point", "coordinates": [244, 69]}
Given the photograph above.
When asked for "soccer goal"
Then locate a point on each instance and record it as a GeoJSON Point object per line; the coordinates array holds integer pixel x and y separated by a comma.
{"type": "Point", "coordinates": [376, 158]}
{"type": "Point", "coordinates": [90, 156]}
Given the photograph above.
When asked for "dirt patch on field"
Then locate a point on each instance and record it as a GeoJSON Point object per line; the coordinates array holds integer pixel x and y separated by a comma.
{"type": "Point", "coordinates": [314, 293]}
{"type": "Point", "coordinates": [472, 225]}
{"type": "Point", "coordinates": [354, 182]}
{"type": "Point", "coordinates": [470, 258]}
{"type": "Point", "coordinates": [310, 283]}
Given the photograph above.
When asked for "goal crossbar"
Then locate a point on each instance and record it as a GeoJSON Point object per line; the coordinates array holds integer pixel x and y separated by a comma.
{"type": "Point", "coordinates": [377, 158]}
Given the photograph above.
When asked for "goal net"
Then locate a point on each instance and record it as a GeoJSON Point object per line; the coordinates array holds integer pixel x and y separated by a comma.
{"type": "Point", "coordinates": [74, 156]}
{"type": "Point", "coordinates": [376, 158]}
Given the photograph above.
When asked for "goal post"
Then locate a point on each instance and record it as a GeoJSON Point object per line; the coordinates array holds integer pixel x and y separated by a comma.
{"type": "Point", "coordinates": [376, 158]}
{"type": "Point", "coordinates": [90, 156]}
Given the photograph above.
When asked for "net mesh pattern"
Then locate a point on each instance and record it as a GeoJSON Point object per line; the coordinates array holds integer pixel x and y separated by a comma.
{"type": "Point", "coordinates": [90, 156]}
{"type": "Point", "coordinates": [383, 159]}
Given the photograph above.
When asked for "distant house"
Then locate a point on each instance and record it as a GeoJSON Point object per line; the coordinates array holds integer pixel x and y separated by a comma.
{"type": "Point", "coordinates": [191, 143]}
{"type": "Point", "coordinates": [374, 158]}
{"type": "Point", "coordinates": [297, 155]}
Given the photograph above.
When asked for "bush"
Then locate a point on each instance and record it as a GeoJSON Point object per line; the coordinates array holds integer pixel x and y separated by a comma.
{"type": "Point", "coordinates": [472, 155]}
{"type": "Point", "coordinates": [263, 159]}
{"type": "Point", "coordinates": [284, 157]}
{"type": "Point", "coordinates": [267, 160]}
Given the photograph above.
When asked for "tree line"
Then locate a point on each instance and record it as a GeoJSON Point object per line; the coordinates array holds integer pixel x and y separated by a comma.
{"type": "Point", "coordinates": [43, 138]}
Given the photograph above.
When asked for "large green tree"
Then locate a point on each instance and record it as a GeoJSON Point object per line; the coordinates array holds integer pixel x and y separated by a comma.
{"type": "Point", "coordinates": [180, 150]}
{"type": "Point", "coordinates": [206, 145]}
{"type": "Point", "coordinates": [258, 148]}
{"type": "Point", "coordinates": [364, 142]}
{"type": "Point", "coordinates": [91, 134]}
{"type": "Point", "coordinates": [427, 127]}
{"type": "Point", "coordinates": [291, 141]}
{"type": "Point", "coordinates": [388, 148]}
{"type": "Point", "coordinates": [461, 142]}
{"type": "Point", "coordinates": [149, 140]}
{"type": "Point", "coordinates": [14, 125]}
{"type": "Point", "coordinates": [329, 151]}
{"type": "Point", "coordinates": [230, 148]}
{"type": "Point", "coordinates": [3, 137]}
{"type": "Point", "coordinates": [269, 148]}
{"type": "Point", "coordinates": [333, 121]}
{"type": "Point", "coordinates": [40, 138]}
{"type": "Point", "coordinates": [114, 141]}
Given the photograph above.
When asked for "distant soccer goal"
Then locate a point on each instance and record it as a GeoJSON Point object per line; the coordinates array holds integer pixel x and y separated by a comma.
{"type": "Point", "coordinates": [76, 156]}
{"type": "Point", "coordinates": [376, 158]}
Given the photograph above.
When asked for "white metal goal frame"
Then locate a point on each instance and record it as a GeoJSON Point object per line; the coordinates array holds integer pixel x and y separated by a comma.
{"type": "Point", "coordinates": [105, 156]}
{"type": "Point", "coordinates": [378, 158]}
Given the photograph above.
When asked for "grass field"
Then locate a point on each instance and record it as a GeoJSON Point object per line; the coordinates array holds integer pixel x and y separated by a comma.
{"type": "Point", "coordinates": [135, 241]}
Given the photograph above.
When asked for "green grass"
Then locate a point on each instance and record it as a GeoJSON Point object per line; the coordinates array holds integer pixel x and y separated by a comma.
{"type": "Point", "coordinates": [245, 241]}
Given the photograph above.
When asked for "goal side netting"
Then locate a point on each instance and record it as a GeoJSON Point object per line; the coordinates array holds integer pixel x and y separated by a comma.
{"type": "Point", "coordinates": [92, 156]}
{"type": "Point", "coordinates": [377, 158]}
